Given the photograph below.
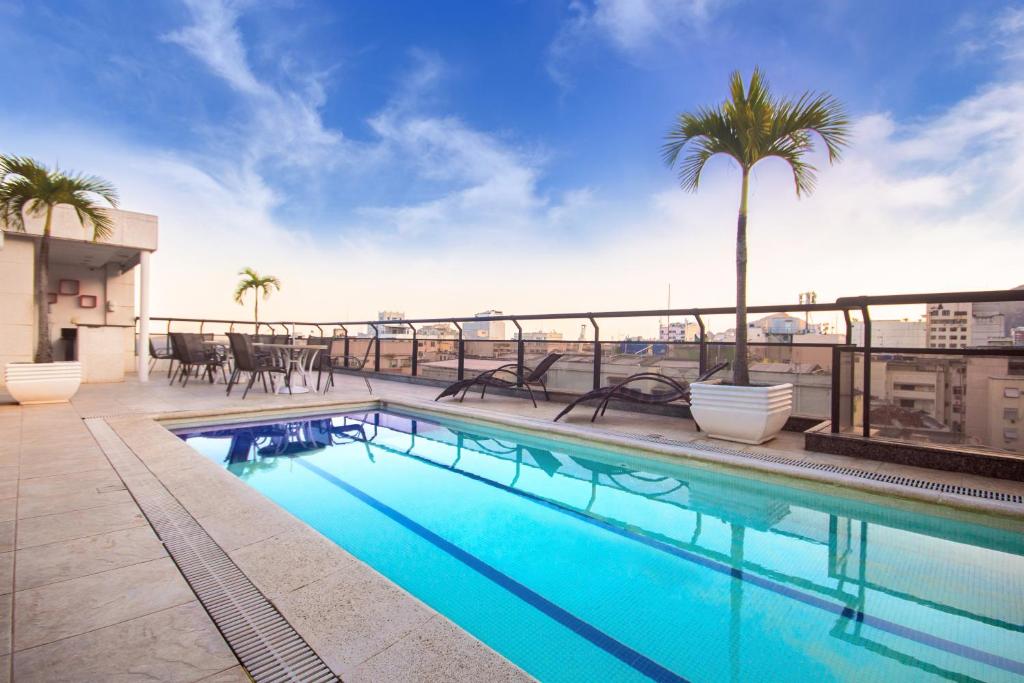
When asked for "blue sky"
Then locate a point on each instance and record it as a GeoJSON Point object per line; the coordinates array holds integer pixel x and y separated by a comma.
{"type": "Point", "coordinates": [335, 143]}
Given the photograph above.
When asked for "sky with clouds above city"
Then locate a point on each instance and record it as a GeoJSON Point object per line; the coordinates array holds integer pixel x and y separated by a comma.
{"type": "Point", "coordinates": [443, 158]}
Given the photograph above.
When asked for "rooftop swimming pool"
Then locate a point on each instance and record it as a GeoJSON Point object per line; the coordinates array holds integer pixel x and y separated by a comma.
{"type": "Point", "coordinates": [581, 564]}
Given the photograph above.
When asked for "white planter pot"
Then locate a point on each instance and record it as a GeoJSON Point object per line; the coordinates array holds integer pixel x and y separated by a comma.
{"type": "Point", "coordinates": [32, 383]}
{"type": "Point", "coordinates": [745, 414]}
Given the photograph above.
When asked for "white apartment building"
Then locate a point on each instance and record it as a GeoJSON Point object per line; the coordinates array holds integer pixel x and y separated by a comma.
{"type": "Point", "coordinates": [682, 331]}
{"type": "Point", "coordinates": [541, 335]}
{"type": "Point", "coordinates": [958, 326]}
{"type": "Point", "coordinates": [893, 333]}
{"type": "Point", "coordinates": [484, 329]}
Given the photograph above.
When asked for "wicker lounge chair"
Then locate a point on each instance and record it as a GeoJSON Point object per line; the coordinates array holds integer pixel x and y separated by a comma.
{"type": "Point", "coordinates": [677, 391]}
{"type": "Point", "coordinates": [505, 377]}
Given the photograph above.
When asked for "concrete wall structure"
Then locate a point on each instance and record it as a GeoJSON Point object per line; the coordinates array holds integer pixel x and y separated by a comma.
{"type": "Point", "coordinates": [104, 270]}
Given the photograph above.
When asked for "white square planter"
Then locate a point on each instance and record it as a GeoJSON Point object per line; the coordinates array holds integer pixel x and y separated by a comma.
{"type": "Point", "coordinates": [745, 414]}
{"type": "Point", "coordinates": [31, 383]}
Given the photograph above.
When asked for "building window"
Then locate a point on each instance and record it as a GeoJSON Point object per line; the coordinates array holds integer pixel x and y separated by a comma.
{"type": "Point", "coordinates": [1011, 392]}
{"type": "Point", "coordinates": [906, 403]}
{"type": "Point", "coordinates": [1010, 413]}
{"type": "Point", "coordinates": [1010, 435]}
{"type": "Point", "coordinates": [945, 312]}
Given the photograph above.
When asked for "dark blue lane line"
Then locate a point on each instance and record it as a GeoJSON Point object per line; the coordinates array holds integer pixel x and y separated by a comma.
{"type": "Point", "coordinates": [644, 665]}
{"type": "Point", "coordinates": [907, 632]}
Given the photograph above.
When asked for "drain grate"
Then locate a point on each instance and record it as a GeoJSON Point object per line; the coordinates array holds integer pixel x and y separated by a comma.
{"type": "Point", "coordinates": [986, 494]}
{"type": "Point", "coordinates": [262, 639]}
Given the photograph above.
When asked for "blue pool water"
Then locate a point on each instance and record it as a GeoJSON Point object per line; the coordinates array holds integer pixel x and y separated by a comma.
{"type": "Point", "coordinates": [587, 565]}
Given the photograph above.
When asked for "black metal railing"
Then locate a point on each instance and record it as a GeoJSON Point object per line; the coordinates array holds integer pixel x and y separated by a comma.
{"type": "Point", "coordinates": [839, 410]}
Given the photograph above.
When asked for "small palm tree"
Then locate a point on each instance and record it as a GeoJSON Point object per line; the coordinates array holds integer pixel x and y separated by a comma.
{"type": "Point", "coordinates": [28, 187]}
{"type": "Point", "coordinates": [753, 125]}
{"type": "Point", "coordinates": [264, 284]}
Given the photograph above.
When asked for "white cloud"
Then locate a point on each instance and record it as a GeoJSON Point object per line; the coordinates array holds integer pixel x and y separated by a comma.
{"type": "Point", "coordinates": [285, 126]}
{"type": "Point", "coordinates": [630, 26]}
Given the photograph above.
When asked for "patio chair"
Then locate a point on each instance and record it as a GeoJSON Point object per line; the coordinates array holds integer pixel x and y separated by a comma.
{"type": "Point", "coordinates": [677, 391]}
{"type": "Point", "coordinates": [505, 377]}
{"type": "Point", "coordinates": [194, 357]}
{"type": "Point", "coordinates": [246, 360]}
{"type": "Point", "coordinates": [335, 360]}
{"type": "Point", "coordinates": [162, 353]}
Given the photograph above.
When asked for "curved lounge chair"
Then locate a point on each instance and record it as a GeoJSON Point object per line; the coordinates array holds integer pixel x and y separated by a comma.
{"type": "Point", "coordinates": [678, 391]}
{"type": "Point", "coordinates": [491, 378]}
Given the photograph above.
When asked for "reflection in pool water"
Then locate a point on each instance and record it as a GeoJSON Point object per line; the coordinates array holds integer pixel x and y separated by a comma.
{"type": "Point", "coordinates": [579, 564]}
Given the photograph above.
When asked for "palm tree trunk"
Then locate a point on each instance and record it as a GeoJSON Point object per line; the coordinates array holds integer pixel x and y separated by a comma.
{"type": "Point", "coordinates": [256, 311]}
{"type": "Point", "coordinates": [740, 372]}
{"type": "Point", "coordinates": [44, 347]}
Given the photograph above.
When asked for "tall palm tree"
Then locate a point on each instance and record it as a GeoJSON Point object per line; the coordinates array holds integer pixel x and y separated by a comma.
{"type": "Point", "coordinates": [264, 284]}
{"type": "Point", "coordinates": [753, 125]}
{"type": "Point", "coordinates": [28, 187]}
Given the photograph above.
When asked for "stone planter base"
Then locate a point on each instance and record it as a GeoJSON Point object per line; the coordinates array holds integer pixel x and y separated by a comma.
{"type": "Point", "coordinates": [31, 383]}
{"type": "Point", "coordinates": [745, 414]}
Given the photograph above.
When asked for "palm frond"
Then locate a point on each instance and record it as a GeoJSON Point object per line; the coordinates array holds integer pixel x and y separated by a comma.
{"type": "Point", "coordinates": [753, 125]}
{"type": "Point", "coordinates": [251, 279]}
{"type": "Point", "coordinates": [704, 134]}
{"type": "Point", "coordinates": [28, 186]}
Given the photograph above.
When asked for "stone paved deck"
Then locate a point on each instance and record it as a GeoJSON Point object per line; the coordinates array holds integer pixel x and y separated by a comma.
{"type": "Point", "coordinates": [88, 593]}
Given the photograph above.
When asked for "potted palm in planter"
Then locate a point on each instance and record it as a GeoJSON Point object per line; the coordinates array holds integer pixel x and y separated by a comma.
{"type": "Point", "coordinates": [28, 187]}
{"type": "Point", "coordinates": [752, 125]}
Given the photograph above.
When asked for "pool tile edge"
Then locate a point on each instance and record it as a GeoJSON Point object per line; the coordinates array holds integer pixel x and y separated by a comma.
{"type": "Point", "coordinates": [193, 480]}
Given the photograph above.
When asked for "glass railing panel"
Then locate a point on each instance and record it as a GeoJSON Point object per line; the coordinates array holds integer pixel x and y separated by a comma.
{"type": "Point", "coordinates": [949, 399]}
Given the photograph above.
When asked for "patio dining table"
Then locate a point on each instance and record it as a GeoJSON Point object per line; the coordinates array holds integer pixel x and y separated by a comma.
{"type": "Point", "coordinates": [294, 358]}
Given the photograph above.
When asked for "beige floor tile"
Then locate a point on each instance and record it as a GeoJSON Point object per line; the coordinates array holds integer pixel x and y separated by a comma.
{"type": "Point", "coordinates": [77, 464]}
{"type": "Point", "coordinates": [6, 602]}
{"type": "Point", "coordinates": [6, 536]}
{"type": "Point", "coordinates": [176, 644]}
{"type": "Point", "coordinates": [64, 560]}
{"type": "Point", "coordinates": [437, 651]}
{"type": "Point", "coordinates": [234, 529]}
{"type": "Point", "coordinates": [352, 615]}
{"type": "Point", "coordinates": [67, 484]}
{"type": "Point", "coordinates": [93, 497]}
{"type": "Point", "coordinates": [67, 525]}
{"type": "Point", "coordinates": [291, 560]}
{"type": "Point", "coordinates": [8, 489]}
{"type": "Point", "coordinates": [6, 573]}
{"type": "Point", "coordinates": [68, 608]}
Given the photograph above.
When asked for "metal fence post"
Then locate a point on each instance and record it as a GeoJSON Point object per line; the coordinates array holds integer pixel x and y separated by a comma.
{"type": "Point", "coordinates": [836, 384]}
{"type": "Point", "coordinates": [702, 357]}
{"type": "Point", "coordinates": [462, 352]}
{"type": "Point", "coordinates": [597, 353]}
{"type": "Point", "coordinates": [866, 412]}
{"type": "Point", "coordinates": [415, 350]}
{"type": "Point", "coordinates": [520, 353]}
{"type": "Point", "coordinates": [376, 347]}
{"type": "Point", "coordinates": [346, 352]}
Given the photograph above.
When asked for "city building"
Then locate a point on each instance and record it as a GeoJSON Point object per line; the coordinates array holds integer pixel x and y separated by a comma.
{"type": "Point", "coordinates": [683, 331]}
{"type": "Point", "coordinates": [541, 335]}
{"type": "Point", "coordinates": [1017, 336]}
{"type": "Point", "coordinates": [91, 289]}
{"type": "Point", "coordinates": [1006, 413]}
{"type": "Point", "coordinates": [391, 325]}
{"type": "Point", "coordinates": [892, 333]}
{"type": "Point", "coordinates": [484, 329]}
{"type": "Point", "coordinates": [780, 325]}
{"type": "Point", "coordinates": [959, 326]}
